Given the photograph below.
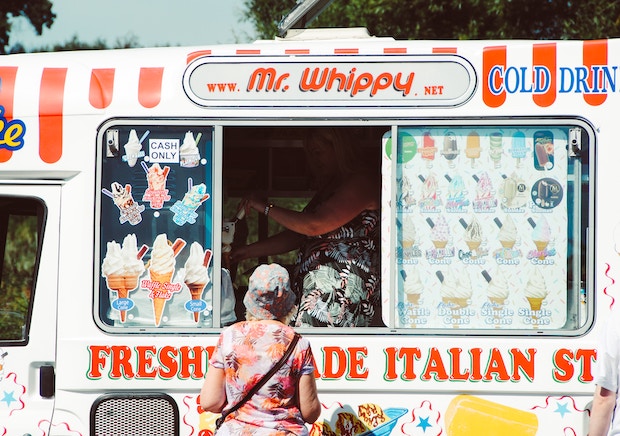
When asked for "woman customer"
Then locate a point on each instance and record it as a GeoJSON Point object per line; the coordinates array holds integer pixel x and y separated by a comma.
{"type": "Point", "coordinates": [246, 351]}
{"type": "Point", "coordinates": [337, 272]}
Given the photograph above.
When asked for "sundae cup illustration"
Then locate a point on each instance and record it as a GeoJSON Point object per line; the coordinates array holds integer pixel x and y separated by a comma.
{"type": "Point", "coordinates": [535, 293]}
{"type": "Point", "coordinates": [430, 200]}
{"type": "Point", "coordinates": [485, 200]}
{"type": "Point", "coordinates": [133, 147]}
{"type": "Point", "coordinates": [455, 293]}
{"type": "Point", "coordinates": [185, 210]}
{"type": "Point", "coordinates": [472, 147]}
{"type": "Point", "coordinates": [156, 193]}
{"type": "Point", "coordinates": [428, 149]}
{"type": "Point", "coordinates": [196, 274]}
{"type": "Point", "coordinates": [122, 267]}
{"type": "Point", "coordinates": [129, 209]}
{"type": "Point", "coordinates": [518, 150]}
{"type": "Point", "coordinates": [456, 199]}
{"type": "Point", "coordinates": [189, 153]}
{"type": "Point", "coordinates": [495, 148]}
{"type": "Point", "coordinates": [407, 199]}
{"type": "Point", "coordinates": [450, 148]}
{"type": "Point", "coordinates": [161, 269]}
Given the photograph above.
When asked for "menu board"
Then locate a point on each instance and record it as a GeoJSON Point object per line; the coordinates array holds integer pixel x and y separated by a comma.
{"type": "Point", "coordinates": [156, 226]}
{"type": "Point", "coordinates": [482, 227]}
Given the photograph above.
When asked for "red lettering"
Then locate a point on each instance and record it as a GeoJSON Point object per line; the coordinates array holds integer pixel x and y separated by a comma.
{"type": "Point", "coordinates": [335, 362]}
{"type": "Point", "coordinates": [357, 370]}
{"type": "Point", "coordinates": [191, 357]}
{"type": "Point", "coordinates": [523, 363]}
{"type": "Point", "coordinates": [145, 362]}
{"type": "Point", "coordinates": [455, 373]}
{"type": "Point", "coordinates": [121, 366]}
{"type": "Point", "coordinates": [390, 363]}
{"type": "Point", "coordinates": [496, 366]}
{"type": "Point", "coordinates": [435, 365]}
{"type": "Point", "coordinates": [587, 357]}
{"type": "Point", "coordinates": [98, 359]}
{"type": "Point", "coordinates": [168, 363]}
{"type": "Point", "coordinates": [410, 355]}
{"type": "Point", "coordinates": [476, 370]}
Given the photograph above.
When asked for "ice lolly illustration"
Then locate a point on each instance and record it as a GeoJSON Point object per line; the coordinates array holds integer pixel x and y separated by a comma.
{"type": "Point", "coordinates": [197, 272]}
{"type": "Point", "coordinates": [471, 415]}
{"type": "Point", "coordinates": [543, 150]}
{"type": "Point", "coordinates": [450, 148]}
{"type": "Point", "coordinates": [428, 149]}
{"type": "Point", "coordinates": [518, 149]}
{"type": "Point", "coordinates": [472, 147]}
{"type": "Point", "coordinates": [161, 269]}
{"type": "Point", "coordinates": [495, 148]}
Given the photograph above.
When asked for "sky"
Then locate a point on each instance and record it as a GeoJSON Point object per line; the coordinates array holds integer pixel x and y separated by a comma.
{"type": "Point", "coordinates": [149, 22]}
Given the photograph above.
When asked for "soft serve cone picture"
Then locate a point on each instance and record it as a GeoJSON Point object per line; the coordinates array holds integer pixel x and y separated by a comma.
{"type": "Point", "coordinates": [456, 292]}
{"type": "Point", "coordinates": [122, 267]}
{"type": "Point", "coordinates": [535, 293]}
{"type": "Point", "coordinates": [197, 274]}
{"type": "Point", "coordinates": [161, 270]}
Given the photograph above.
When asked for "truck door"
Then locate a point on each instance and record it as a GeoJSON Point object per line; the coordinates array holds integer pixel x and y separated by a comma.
{"type": "Point", "coordinates": [29, 223]}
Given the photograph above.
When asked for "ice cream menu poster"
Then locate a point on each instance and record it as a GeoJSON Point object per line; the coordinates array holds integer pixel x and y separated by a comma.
{"type": "Point", "coordinates": [155, 226]}
{"type": "Point", "coordinates": [482, 227]}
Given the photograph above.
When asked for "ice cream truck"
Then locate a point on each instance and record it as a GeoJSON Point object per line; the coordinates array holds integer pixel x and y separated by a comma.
{"type": "Point", "coordinates": [119, 175]}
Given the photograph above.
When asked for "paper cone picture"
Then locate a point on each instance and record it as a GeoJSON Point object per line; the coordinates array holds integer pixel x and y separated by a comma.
{"type": "Point", "coordinates": [196, 290]}
{"type": "Point", "coordinates": [159, 303]}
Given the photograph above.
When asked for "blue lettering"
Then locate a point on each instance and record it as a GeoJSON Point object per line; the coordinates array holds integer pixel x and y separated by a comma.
{"type": "Point", "coordinates": [570, 80]}
{"type": "Point", "coordinates": [582, 77]}
{"type": "Point", "coordinates": [542, 79]}
{"type": "Point", "coordinates": [496, 74]}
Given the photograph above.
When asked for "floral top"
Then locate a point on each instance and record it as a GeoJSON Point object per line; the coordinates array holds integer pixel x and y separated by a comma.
{"type": "Point", "coordinates": [248, 350]}
{"type": "Point", "coordinates": [337, 275]}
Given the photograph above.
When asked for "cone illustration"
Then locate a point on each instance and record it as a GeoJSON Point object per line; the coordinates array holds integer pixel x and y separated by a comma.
{"type": "Point", "coordinates": [439, 244]}
{"type": "Point", "coordinates": [196, 290]}
{"type": "Point", "coordinates": [455, 304]}
{"type": "Point", "coordinates": [535, 304]}
{"type": "Point", "coordinates": [158, 302]}
{"type": "Point", "coordinates": [507, 244]}
{"type": "Point", "coordinates": [473, 245]}
{"type": "Point", "coordinates": [540, 247]}
{"type": "Point", "coordinates": [116, 282]}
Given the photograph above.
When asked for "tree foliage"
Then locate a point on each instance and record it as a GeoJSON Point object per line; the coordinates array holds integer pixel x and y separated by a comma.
{"type": "Point", "coordinates": [37, 12]}
{"type": "Point", "coordinates": [454, 19]}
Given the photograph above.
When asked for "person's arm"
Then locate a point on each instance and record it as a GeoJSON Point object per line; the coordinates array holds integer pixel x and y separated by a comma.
{"type": "Point", "coordinates": [354, 195]}
{"type": "Point", "coordinates": [281, 243]}
{"type": "Point", "coordinates": [603, 405]}
{"type": "Point", "coordinates": [213, 392]}
{"type": "Point", "coordinates": [309, 404]}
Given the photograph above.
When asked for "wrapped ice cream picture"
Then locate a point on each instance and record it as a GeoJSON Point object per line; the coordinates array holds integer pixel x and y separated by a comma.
{"type": "Point", "coordinates": [497, 211]}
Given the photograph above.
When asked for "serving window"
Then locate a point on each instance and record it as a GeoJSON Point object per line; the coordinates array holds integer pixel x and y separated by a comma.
{"type": "Point", "coordinates": [491, 225]}
{"type": "Point", "coordinates": [155, 231]}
